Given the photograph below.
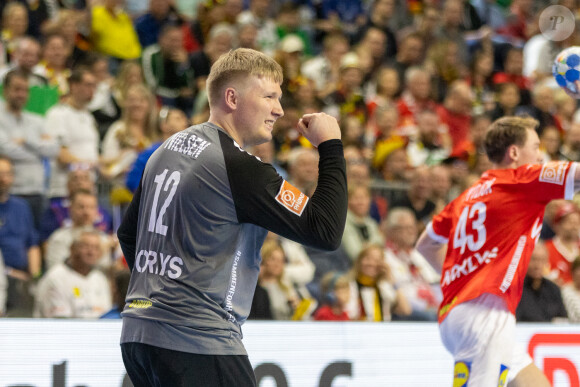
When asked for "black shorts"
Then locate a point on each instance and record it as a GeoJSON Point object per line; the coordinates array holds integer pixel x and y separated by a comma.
{"type": "Point", "coordinates": [150, 366]}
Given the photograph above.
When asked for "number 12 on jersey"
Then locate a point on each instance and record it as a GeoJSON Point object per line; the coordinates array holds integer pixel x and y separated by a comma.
{"type": "Point", "coordinates": [156, 220]}
{"type": "Point", "coordinates": [461, 239]}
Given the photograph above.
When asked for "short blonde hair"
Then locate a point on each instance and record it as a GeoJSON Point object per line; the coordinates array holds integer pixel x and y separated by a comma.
{"type": "Point", "coordinates": [238, 64]}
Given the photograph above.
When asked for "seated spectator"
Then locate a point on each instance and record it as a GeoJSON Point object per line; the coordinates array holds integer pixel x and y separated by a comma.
{"type": "Point", "coordinates": [18, 245]}
{"type": "Point", "coordinates": [149, 25]}
{"type": "Point", "coordinates": [119, 285]}
{"type": "Point", "coordinates": [360, 229]}
{"type": "Point", "coordinates": [410, 53]}
{"type": "Point", "coordinates": [58, 213]}
{"type": "Point", "coordinates": [550, 143]}
{"type": "Point", "coordinates": [260, 309]}
{"type": "Point", "coordinates": [171, 121]}
{"type": "Point", "coordinates": [571, 145]}
{"type": "Point", "coordinates": [130, 73]}
{"type": "Point", "coordinates": [541, 298]}
{"type": "Point", "coordinates": [24, 139]}
{"type": "Point", "coordinates": [75, 129]}
{"type": "Point", "coordinates": [303, 169]}
{"type": "Point", "coordinates": [442, 60]}
{"type": "Point", "coordinates": [411, 272]}
{"type": "Point", "coordinates": [324, 69]}
{"type": "Point", "coordinates": [286, 302]}
{"type": "Point", "coordinates": [480, 80]}
{"type": "Point", "coordinates": [25, 58]}
{"type": "Point", "coordinates": [14, 26]}
{"type": "Point", "coordinates": [168, 71]}
{"type": "Point", "coordinates": [336, 290]}
{"type": "Point", "coordinates": [104, 106]}
{"type": "Point", "coordinates": [83, 214]}
{"type": "Point", "coordinates": [432, 144]}
{"type": "Point", "coordinates": [259, 13]}
{"type": "Point", "coordinates": [373, 296]}
{"type": "Point", "coordinates": [456, 113]}
{"type": "Point", "coordinates": [53, 65]}
{"type": "Point", "coordinates": [386, 89]}
{"type": "Point", "coordinates": [571, 293]}
{"type": "Point", "coordinates": [513, 66]}
{"type": "Point", "coordinates": [508, 100]}
{"type": "Point", "coordinates": [416, 97]}
{"type": "Point", "coordinates": [418, 197]}
{"type": "Point", "coordinates": [564, 247]}
{"type": "Point", "coordinates": [541, 108]}
{"type": "Point", "coordinates": [440, 186]}
{"type": "Point", "coordinates": [136, 131]}
{"type": "Point", "coordinates": [112, 32]}
{"type": "Point", "coordinates": [347, 99]}
{"type": "Point", "coordinates": [75, 288]}
{"type": "Point", "coordinates": [66, 24]}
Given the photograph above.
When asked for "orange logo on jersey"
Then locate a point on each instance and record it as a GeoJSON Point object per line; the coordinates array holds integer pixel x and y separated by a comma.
{"type": "Point", "coordinates": [291, 198]}
{"type": "Point", "coordinates": [553, 172]}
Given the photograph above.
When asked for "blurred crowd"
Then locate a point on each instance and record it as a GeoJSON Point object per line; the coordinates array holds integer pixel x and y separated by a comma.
{"type": "Point", "coordinates": [90, 88]}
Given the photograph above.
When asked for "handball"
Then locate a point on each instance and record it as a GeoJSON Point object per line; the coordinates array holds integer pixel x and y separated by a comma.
{"type": "Point", "coordinates": [566, 70]}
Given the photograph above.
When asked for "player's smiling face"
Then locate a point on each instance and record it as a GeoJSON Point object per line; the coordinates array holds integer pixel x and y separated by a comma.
{"type": "Point", "coordinates": [258, 109]}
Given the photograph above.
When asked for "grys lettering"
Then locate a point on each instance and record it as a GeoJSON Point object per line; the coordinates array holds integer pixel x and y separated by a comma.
{"type": "Point", "coordinates": [158, 263]}
{"type": "Point", "coordinates": [468, 266]}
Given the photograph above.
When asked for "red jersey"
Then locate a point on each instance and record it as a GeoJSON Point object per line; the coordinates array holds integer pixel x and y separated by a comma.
{"type": "Point", "coordinates": [492, 228]}
{"type": "Point", "coordinates": [560, 260]}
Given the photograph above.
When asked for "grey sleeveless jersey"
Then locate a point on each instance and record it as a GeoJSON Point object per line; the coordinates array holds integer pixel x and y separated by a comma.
{"type": "Point", "coordinates": [193, 233]}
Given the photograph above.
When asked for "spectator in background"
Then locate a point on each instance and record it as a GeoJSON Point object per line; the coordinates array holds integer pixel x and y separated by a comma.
{"type": "Point", "coordinates": [104, 107]}
{"type": "Point", "coordinates": [571, 293]}
{"type": "Point", "coordinates": [14, 26]}
{"type": "Point", "coordinates": [512, 72]}
{"type": "Point", "coordinates": [168, 71]}
{"type": "Point", "coordinates": [415, 97]}
{"type": "Point", "coordinates": [571, 146]}
{"type": "Point", "coordinates": [18, 245]}
{"type": "Point", "coordinates": [440, 186]}
{"type": "Point", "coordinates": [149, 25]}
{"type": "Point", "coordinates": [411, 272]}
{"type": "Point", "coordinates": [410, 53]}
{"type": "Point", "coordinates": [24, 140]}
{"type": "Point", "coordinates": [373, 44]}
{"type": "Point", "coordinates": [112, 32]}
{"type": "Point", "coordinates": [130, 73]}
{"type": "Point", "coordinates": [550, 143]}
{"type": "Point", "coordinates": [542, 107]}
{"type": "Point", "coordinates": [480, 80]}
{"type": "Point", "coordinates": [288, 22]}
{"type": "Point", "coordinates": [372, 294]}
{"type": "Point", "coordinates": [284, 298]}
{"type": "Point", "coordinates": [379, 16]}
{"type": "Point", "coordinates": [508, 100]}
{"type": "Point", "coordinates": [425, 26]}
{"type": "Point", "coordinates": [83, 214]}
{"type": "Point", "coordinates": [75, 288]}
{"type": "Point", "coordinates": [303, 169]}
{"type": "Point", "coordinates": [66, 25]}
{"type": "Point", "coordinates": [564, 247]}
{"type": "Point", "coordinates": [455, 112]}
{"type": "Point", "coordinates": [289, 55]}
{"type": "Point", "coordinates": [418, 197]}
{"type": "Point", "coordinates": [347, 100]}
{"type": "Point", "coordinates": [443, 62]}
{"type": "Point", "coordinates": [432, 144]}
{"type": "Point", "coordinates": [171, 121]}
{"type": "Point", "coordinates": [75, 130]}
{"type": "Point", "coordinates": [324, 68]}
{"type": "Point", "coordinates": [336, 295]}
{"type": "Point", "coordinates": [221, 39]}
{"type": "Point", "coordinates": [136, 131]}
{"type": "Point", "coordinates": [25, 58]}
{"type": "Point", "coordinates": [53, 65]}
{"type": "Point", "coordinates": [451, 28]}
{"type": "Point", "coordinates": [258, 13]}
{"type": "Point", "coordinates": [386, 85]}
{"type": "Point", "coordinates": [360, 229]}
{"type": "Point", "coordinates": [58, 213]}
{"type": "Point", "coordinates": [541, 298]}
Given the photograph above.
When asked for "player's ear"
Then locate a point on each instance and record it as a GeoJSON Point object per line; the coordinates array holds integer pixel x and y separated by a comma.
{"type": "Point", "coordinates": [231, 98]}
{"type": "Point", "coordinates": [513, 152]}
